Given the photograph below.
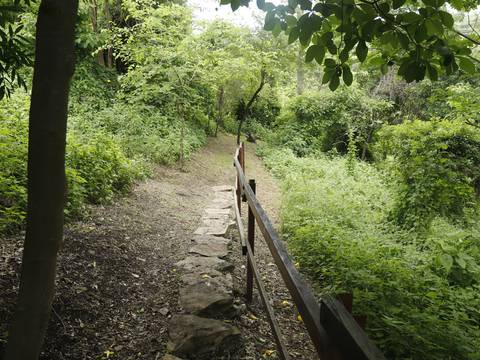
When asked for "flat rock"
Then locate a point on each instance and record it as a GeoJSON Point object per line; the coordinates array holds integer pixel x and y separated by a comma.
{"type": "Point", "coordinates": [219, 230]}
{"type": "Point", "coordinates": [170, 357]}
{"type": "Point", "coordinates": [207, 298]}
{"type": "Point", "coordinates": [222, 188]}
{"type": "Point", "coordinates": [193, 278]}
{"type": "Point", "coordinates": [209, 211]}
{"type": "Point", "coordinates": [216, 216]}
{"type": "Point", "coordinates": [201, 264]}
{"type": "Point", "coordinates": [200, 239]}
{"type": "Point", "coordinates": [210, 249]}
{"type": "Point", "coordinates": [221, 204]}
{"type": "Point", "coordinates": [216, 278]}
{"type": "Point", "coordinates": [190, 334]}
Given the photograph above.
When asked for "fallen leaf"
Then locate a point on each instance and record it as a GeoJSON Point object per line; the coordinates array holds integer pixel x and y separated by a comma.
{"type": "Point", "coordinates": [268, 353]}
{"type": "Point", "coordinates": [108, 353]}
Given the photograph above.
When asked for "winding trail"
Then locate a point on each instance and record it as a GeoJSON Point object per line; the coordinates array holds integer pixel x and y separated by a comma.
{"type": "Point", "coordinates": [117, 285]}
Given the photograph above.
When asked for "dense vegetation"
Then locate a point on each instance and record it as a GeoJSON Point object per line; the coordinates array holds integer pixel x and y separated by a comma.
{"type": "Point", "coordinates": [141, 98]}
{"type": "Point", "coordinates": [381, 177]}
{"type": "Point", "coordinates": [384, 202]}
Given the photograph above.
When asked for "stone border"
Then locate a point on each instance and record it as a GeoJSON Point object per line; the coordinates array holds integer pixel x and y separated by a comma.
{"type": "Point", "coordinates": [206, 295]}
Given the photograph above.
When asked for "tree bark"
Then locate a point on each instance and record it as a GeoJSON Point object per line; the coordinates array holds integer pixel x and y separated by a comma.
{"type": "Point", "coordinates": [108, 19]}
{"type": "Point", "coordinates": [94, 17]}
{"type": "Point", "coordinates": [53, 69]}
{"type": "Point", "coordinates": [244, 115]}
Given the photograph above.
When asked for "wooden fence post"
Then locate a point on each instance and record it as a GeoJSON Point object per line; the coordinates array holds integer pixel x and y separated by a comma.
{"type": "Point", "coordinates": [239, 186]}
{"type": "Point", "coordinates": [251, 241]}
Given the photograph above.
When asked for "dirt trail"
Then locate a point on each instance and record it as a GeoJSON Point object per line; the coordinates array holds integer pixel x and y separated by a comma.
{"type": "Point", "coordinates": [117, 284]}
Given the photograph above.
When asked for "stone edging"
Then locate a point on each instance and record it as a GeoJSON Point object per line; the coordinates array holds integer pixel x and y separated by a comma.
{"type": "Point", "coordinates": [206, 295]}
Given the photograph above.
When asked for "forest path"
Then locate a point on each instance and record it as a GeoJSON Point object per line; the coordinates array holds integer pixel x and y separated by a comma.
{"type": "Point", "coordinates": [117, 284]}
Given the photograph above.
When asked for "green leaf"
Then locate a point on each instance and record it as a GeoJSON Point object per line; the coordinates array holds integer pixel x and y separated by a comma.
{"type": "Point", "coordinates": [447, 19]}
{"type": "Point", "coordinates": [323, 8]}
{"type": "Point", "coordinates": [277, 29]}
{"type": "Point", "coordinates": [316, 52]}
{"type": "Point", "coordinates": [305, 4]}
{"type": "Point", "coordinates": [461, 262]}
{"type": "Point", "coordinates": [270, 21]}
{"type": "Point", "coordinates": [410, 18]}
{"type": "Point", "coordinates": [398, 3]}
{"type": "Point", "coordinates": [330, 63]}
{"type": "Point", "coordinates": [344, 55]}
{"type": "Point", "coordinates": [434, 27]}
{"type": "Point", "coordinates": [446, 261]}
{"type": "Point", "coordinates": [347, 75]}
{"type": "Point", "coordinates": [326, 76]}
{"type": "Point", "coordinates": [291, 20]}
{"type": "Point", "coordinates": [293, 36]}
{"type": "Point", "coordinates": [466, 65]}
{"type": "Point", "coordinates": [361, 51]}
{"type": "Point", "coordinates": [334, 82]}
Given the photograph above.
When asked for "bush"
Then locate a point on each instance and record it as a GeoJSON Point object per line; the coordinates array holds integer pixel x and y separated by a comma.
{"type": "Point", "coordinates": [13, 161]}
{"type": "Point", "coordinates": [421, 295]}
{"type": "Point", "coordinates": [321, 121]}
{"type": "Point", "coordinates": [145, 131]}
{"type": "Point", "coordinates": [437, 164]}
{"type": "Point", "coordinates": [96, 166]}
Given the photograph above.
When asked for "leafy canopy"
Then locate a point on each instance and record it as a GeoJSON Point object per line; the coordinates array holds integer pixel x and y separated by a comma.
{"type": "Point", "coordinates": [419, 37]}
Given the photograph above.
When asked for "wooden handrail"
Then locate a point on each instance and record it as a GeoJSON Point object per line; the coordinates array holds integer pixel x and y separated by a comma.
{"type": "Point", "coordinates": [333, 330]}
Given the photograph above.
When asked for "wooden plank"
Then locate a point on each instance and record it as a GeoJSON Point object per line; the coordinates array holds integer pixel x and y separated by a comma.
{"type": "Point", "coordinates": [266, 302]}
{"type": "Point", "coordinates": [307, 304]}
{"type": "Point", "coordinates": [349, 338]}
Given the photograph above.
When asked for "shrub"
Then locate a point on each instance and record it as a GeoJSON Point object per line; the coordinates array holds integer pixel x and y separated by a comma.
{"type": "Point", "coordinates": [437, 164]}
{"type": "Point", "coordinates": [96, 166]}
{"type": "Point", "coordinates": [321, 121]}
{"type": "Point", "coordinates": [13, 161]}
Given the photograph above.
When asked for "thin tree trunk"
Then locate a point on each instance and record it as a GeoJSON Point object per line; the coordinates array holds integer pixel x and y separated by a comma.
{"type": "Point", "coordinates": [220, 103]}
{"type": "Point", "coordinates": [300, 71]}
{"type": "Point", "coordinates": [94, 17]}
{"type": "Point", "coordinates": [108, 19]}
{"type": "Point", "coordinates": [54, 66]}
{"type": "Point", "coordinates": [243, 118]}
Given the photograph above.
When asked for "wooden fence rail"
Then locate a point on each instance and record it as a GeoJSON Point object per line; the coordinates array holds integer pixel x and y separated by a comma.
{"type": "Point", "coordinates": [335, 333]}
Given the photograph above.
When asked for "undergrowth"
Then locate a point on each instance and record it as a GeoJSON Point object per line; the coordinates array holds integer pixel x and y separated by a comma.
{"type": "Point", "coordinates": [420, 292]}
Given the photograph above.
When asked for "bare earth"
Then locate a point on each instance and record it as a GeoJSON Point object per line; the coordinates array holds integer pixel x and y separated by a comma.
{"type": "Point", "coordinates": [117, 285]}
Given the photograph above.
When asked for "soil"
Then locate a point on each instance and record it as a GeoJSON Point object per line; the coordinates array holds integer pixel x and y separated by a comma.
{"type": "Point", "coordinates": [117, 284]}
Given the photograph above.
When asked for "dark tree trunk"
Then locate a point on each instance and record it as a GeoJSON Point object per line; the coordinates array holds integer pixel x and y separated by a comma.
{"type": "Point", "coordinates": [247, 108]}
{"type": "Point", "coordinates": [108, 19]}
{"type": "Point", "coordinates": [94, 17]}
{"type": "Point", "coordinates": [54, 65]}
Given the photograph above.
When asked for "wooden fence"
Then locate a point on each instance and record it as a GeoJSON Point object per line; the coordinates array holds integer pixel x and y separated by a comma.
{"type": "Point", "coordinates": [335, 332]}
